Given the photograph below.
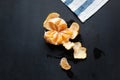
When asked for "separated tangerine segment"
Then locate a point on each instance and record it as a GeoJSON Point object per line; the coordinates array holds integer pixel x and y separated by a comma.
{"type": "Point", "coordinates": [64, 64]}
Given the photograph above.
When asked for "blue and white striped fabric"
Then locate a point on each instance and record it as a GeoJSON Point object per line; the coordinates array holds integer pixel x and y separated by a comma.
{"type": "Point", "coordinates": [84, 8]}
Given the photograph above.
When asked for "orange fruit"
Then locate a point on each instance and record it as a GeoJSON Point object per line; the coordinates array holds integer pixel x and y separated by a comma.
{"type": "Point", "coordinates": [58, 31]}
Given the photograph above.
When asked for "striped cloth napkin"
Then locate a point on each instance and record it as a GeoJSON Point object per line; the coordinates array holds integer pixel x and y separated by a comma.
{"type": "Point", "coordinates": [84, 8]}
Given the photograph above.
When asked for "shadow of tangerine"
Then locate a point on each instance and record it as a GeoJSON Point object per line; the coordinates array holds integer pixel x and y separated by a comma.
{"type": "Point", "coordinates": [70, 22]}
{"type": "Point", "coordinates": [78, 39]}
{"type": "Point", "coordinates": [69, 73]}
{"type": "Point", "coordinates": [55, 47]}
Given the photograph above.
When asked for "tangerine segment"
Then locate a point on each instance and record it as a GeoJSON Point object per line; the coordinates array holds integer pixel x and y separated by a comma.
{"type": "Point", "coordinates": [59, 39]}
{"type": "Point", "coordinates": [57, 24]}
{"type": "Point", "coordinates": [51, 36]}
{"type": "Point", "coordinates": [64, 64]}
{"type": "Point", "coordinates": [50, 16]}
{"type": "Point", "coordinates": [68, 32]}
{"type": "Point", "coordinates": [74, 28]}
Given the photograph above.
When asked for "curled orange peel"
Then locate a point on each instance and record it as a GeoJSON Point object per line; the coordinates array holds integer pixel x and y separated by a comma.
{"type": "Point", "coordinates": [74, 28]}
{"type": "Point", "coordinates": [50, 16]}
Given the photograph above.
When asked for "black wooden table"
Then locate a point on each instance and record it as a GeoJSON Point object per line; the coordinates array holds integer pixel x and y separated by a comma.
{"type": "Point", "coordinates": [24, 55]}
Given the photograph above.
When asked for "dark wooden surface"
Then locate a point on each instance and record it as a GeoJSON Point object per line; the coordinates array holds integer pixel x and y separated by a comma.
{"type": "Point", "coordinates": [24, 55]}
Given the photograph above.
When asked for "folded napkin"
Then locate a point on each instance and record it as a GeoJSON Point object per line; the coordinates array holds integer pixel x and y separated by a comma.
{"type": "Point", "coordinates": [84, 8]}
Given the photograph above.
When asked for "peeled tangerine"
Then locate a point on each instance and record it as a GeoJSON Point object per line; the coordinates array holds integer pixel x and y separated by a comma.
{"type": "Point", "coordinates": [64, 64]}
{"type": "Point", "coordinates": [58, 31]}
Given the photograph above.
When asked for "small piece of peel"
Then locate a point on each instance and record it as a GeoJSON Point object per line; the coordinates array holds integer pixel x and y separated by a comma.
{"type": "Point", "coordinates": [68, 45]}
{"type": "Point", "coordinates": [79, 51]}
